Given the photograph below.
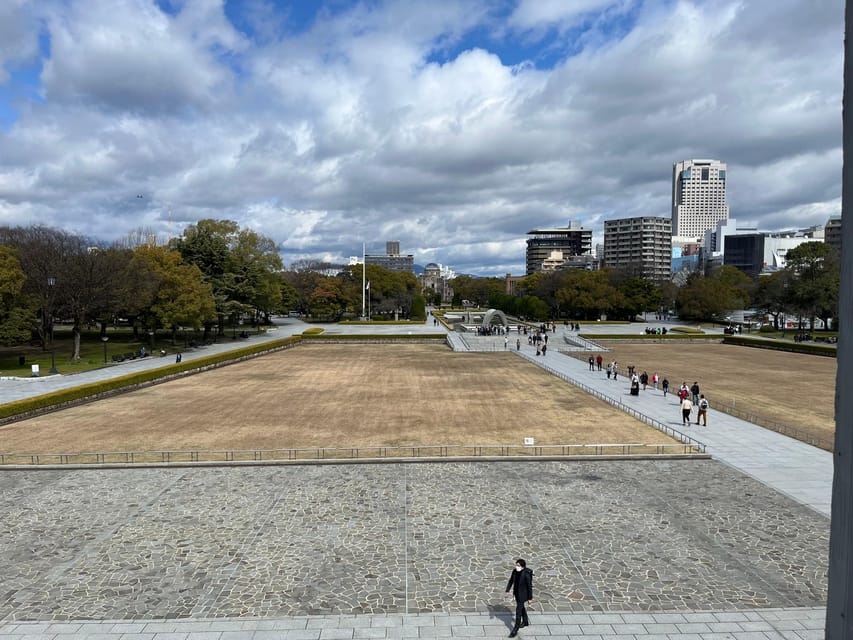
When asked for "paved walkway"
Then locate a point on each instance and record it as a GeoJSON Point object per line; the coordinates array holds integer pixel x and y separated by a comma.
{"type": "Point", "coordinates": [800, 471]}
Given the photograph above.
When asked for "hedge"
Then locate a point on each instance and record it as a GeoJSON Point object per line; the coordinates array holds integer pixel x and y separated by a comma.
{"type": "Point", "coordinates": [369, 337]}
{"type": "Point", "coordinates": [808, 348]}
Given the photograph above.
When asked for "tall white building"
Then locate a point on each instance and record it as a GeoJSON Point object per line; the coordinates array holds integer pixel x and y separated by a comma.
{"type": "Point", "coordinates": [698, 199]}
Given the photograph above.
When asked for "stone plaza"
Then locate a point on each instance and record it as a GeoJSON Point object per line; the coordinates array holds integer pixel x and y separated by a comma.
{"type": "Point", "coordinates": [404, 538]}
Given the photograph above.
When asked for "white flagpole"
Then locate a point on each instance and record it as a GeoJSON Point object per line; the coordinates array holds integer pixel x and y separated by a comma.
{"type": "Point", "coordinates": [363, 272]}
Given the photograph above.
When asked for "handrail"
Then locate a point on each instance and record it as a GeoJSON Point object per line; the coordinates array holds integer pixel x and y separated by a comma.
{"type": "Point", "coordinates": [660, 426]}
{"type": "Point", "coordinates": [447, 451]}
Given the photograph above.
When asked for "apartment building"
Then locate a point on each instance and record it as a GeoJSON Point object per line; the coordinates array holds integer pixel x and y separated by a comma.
{"type": "Point", "coordinates": [641, 246]}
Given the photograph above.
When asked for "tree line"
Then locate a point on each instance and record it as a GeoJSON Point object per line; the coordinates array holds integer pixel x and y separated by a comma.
{"type": "Point", "coordinates": [806, 288]}
{"type": "Point", "coordinates": [213, 277]}
{"type": "Point", "coordinates": [217, 275]}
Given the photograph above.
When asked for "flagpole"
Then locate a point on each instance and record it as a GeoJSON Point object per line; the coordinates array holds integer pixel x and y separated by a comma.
{"type": "Point", "coordinates": [363, 272]}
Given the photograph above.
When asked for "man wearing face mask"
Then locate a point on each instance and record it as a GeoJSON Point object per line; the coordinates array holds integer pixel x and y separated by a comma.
{"type": "Point", "coordinates": [521, 583]}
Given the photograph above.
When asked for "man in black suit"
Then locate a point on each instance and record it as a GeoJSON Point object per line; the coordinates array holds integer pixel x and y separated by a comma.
{"type": "Point", "coordinates": [521, 583]}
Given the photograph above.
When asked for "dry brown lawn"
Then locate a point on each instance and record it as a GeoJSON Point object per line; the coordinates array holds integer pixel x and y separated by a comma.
{"type": "Point", "coordinates": [339, 396]}
{"type": "Point", "coordinates": [794, 389]}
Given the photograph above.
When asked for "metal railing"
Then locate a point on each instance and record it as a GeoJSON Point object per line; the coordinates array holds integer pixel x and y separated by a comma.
{"type": "Point", "coordinates": [660, 426]}
{"type": "Point", "coordinates": [768, 423]}
{"type": "Point", "coordinates": [332, 454]}
{"type": "Point", "coordinates": [729, 406]}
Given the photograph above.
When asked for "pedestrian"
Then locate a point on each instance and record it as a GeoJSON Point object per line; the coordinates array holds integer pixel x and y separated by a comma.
{"type": "Point", "coordinates": [683, 391]}
{"type": "Point", "coordinates": [544, 348]}
{"type": "Point", "coordinates": [591, 363]}
{"type": "Point", "coordinates": [644, 379]}
{"type": "Point", "coordinates": [518, 344]}
{"type": "Point", "coordinates": [615, 369]}
{"type": "Point", "coordinates": [702, 411]}
{"type": "Point", "coordinates": [665, 386]}
{"type": "Point", "coordinates": [178, 358]}
{"type": "Point", "coordinates": [598, 361]}
{"type": "Point", "coordinates": [506, 340]}
{"type": "Point", "coordinates": [686, 408]}
{"type": "Point", "coordinates": [521, 584]}
{"type": "Point", "coordinates": [655, 380]}
{"type": "Point", "coordinates": [694, 389]}
{"type": "Point", "coordinates": [538, 350]}
{"type": "Point", "coordinates": [609, 369]}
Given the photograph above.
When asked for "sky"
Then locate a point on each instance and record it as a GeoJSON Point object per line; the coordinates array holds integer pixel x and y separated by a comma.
{"type": "Point", "coordinates": [451, 126]}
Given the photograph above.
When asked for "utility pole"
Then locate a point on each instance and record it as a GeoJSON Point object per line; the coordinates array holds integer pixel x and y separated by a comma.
{"type": "Point", "coordinates": [839, 605]}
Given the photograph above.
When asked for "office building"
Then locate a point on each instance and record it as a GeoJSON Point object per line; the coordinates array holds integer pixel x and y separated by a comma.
{"type": "Point", "coordinates": [698, 199]}
{"type": "Point", "coordinates": [393, 260]}
{"type": "Point", "coordinates": [832, 233]}
{"type": "Point", "coordinates": [640, 246]}
{"type": "Point", "coordinates": [756, 253]}
{"type": "Point", "coordinates": [570, 241]}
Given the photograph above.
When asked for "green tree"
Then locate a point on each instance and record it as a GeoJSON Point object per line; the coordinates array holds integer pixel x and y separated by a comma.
{"type": "Point", "coordinates": [771, 294]}
{"type": "Point", "coordinates": [817, 279]}
{"type": "Point", "coordinates": [17, 311]}
{"type": "Point", "coordinates": [588, 294]}
{"type": "Point", "coordinates": [418, 308]}
{"type": "Point", "coordinates": [181, 298]}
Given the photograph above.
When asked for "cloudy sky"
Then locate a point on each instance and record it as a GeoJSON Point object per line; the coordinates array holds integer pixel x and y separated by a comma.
{"type": "Point", "coordinates": [453, 126]}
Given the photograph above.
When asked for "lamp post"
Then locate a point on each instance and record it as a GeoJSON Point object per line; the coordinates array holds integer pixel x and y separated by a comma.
{"type": "Point", "coordinates": [51, 281]}
{"type": "Point", "coordinates": [151, 341]}
{"type": "Point", "coordinates": [105, 339]}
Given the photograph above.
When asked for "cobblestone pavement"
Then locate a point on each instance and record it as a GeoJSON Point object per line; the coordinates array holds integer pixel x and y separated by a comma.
{"type": "Point", "coordinates": [270, 542]}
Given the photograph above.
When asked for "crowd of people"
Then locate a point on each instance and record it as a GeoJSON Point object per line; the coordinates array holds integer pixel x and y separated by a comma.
{"type": "Point", "coordinates": [689, 398]}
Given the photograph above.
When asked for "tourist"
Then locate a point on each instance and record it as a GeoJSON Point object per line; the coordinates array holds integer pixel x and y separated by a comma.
{"type": "Point", "coordinates": [703, 411]}
{"type": "Point", "coordinates": [665, 386]}
{"type": "Point", "coordinates": [695, 391]}
{"type": "Point", "coordinates": [686, 408]}
{"type": "Point", "coordinates": [521, 584]}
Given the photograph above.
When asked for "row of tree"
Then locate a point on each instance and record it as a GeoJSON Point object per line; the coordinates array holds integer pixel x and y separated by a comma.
{"type": "Point", "coordinates": [217, 275]}
{"type": "Point", "coordinates": [806, 288]}
{"type": "Point", "coordinates": [214, 276]}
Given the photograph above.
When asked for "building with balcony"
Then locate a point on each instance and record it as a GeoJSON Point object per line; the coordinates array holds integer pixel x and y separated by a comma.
{"type": "Point", "coordinates": [640, 246]}
{"type": "Point", "coordinates": [570, 241]}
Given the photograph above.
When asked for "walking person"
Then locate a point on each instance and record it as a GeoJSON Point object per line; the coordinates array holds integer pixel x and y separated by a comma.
{"type": "Point", "coordinates": [694, 389]}
{"type": "Point", "coordinates": [591, 363]}
{"type": "Point", "coordinates": [686, 408]}
{"type": "Point", "coordinates": [598, 361]}
{"type": "Point", "coordinates": [609, 369]}
{"type": "Point", "coordinates": [644, 379]}
{"type": "Point", "coordinates": [518, 344]}
{"type": "Point", "coordinates": [521, 585]}
{"type": "Point", "coordinates": [702, 411]}
{"type": "Point", "coordinates": [665, 386]}
{"type": "Point", "coordinates": [615, 369]}
{"type": "Point", "coordinates": [655, 380]}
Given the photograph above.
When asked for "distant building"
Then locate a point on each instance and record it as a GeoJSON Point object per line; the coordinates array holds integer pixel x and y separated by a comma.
{"type": "Point", "coordinates": [756, 253]}
{"type": "Point", "coordinates": [571, 241]}
{"type": "Point", "coordinates": [832, 233]}
{"type": "Point", "coordinates": [698, 199]}
{"type": "Point", "coordinates": [435, 277]}
{"type": "Point", "coordinates": [641, 246]}
{"type": "Point", "coordinates": [392, 260]}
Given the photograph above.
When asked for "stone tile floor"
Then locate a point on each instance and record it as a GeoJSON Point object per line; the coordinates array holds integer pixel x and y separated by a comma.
{"type": "Point", "coordinates": [393, 539]}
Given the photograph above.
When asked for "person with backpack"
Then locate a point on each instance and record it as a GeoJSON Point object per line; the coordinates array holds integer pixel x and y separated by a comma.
{"type": "Point", "coordinates": [703, 411]}
{"type": "Point", "coordinates": [521, 583]}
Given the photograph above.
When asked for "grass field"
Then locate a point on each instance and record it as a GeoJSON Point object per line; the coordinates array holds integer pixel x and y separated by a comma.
{"type": "Point", "coordinates": [794, 389]}
{"type": "Point", "coordinates": [339, 396]}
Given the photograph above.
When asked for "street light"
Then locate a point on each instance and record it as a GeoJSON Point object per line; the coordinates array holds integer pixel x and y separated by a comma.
{"type": "Point", "coordinates": [151, 341]}
{"type": "Point", "coordinates": [51, 281]}
{"type": "Point", "coordinates": [104, 339]}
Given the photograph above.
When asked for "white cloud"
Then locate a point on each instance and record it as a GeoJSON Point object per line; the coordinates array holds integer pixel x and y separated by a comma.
{"type": "Point", "coordinates": [388, 121]}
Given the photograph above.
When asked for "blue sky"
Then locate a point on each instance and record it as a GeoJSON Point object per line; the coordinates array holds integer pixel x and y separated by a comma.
{"type": "Point", "coordinates": [453, 126]}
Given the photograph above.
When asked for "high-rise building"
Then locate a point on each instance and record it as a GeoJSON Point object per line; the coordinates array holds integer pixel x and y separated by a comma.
{"type": "Point", "coordinates": [640, 246]}
{"type": "Point", "coordinates": [698, 198]}
{"type": "Point", "coordinates": [392, 260]}
{"type": "Point", "coordinates": [573, 240]}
